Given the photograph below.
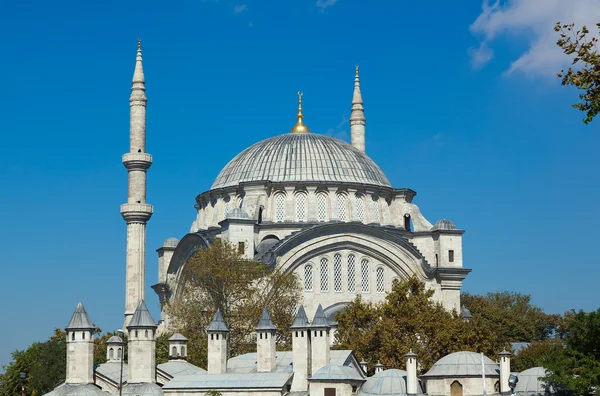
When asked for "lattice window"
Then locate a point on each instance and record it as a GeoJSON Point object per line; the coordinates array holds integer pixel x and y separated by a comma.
{"type": "Point", "coordinates": [386, 213]}
{"type": "Point", "coordinates": [337, 273]}
{"type": "Point", "coordinates": [360, 208]}
{"type": "Point", "coordinates": [322, 207]}
{"type": "Point", "coordinates": [279, 208]}
{"type": "Point", "coordinates": [380, 278]}
{"type": "Point", "coordinates": [351, 273]}
{"type": "Point", "coordinates": [308, 277]}
{"type": "Point", "coordinates": [300, 207]}
{"type": "Point", "coordinates": [324, 274]}
{"type": "Point", "coordinates": [341, 207]}
{"type": "Point", "coordinates": [375, 211]}
{"type": "Point", "coordinates": [364, 276]}
{"type": "Point", "coordinates": [225, 207]}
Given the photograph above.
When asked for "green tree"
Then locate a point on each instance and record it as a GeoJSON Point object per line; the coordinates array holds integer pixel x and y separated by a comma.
{"type": "Point", "coordinates": [408, 319]}
{"type": "Point", "coordinates": [162, 348]}
{"type": "Point", "coordinates": [510, 316]}
{"type": "Point", "coordinates": [585, 71]}
{"type": "Point", "coordinates": [537, 354]}
{"type": "Point", "coordinates": [220, 277]}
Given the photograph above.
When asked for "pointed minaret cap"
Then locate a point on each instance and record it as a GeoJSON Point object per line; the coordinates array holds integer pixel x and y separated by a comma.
{"type": "Point", "coordinates": [300, 127]}
{"type": "Point", "coordinates": [141, 317]}
{"type": "Point", "coordinates": [357, 100]}
{"type": "Point", "coordinates": [80, 320]}
{"type": "Point", "coordinates": [138, 74]}
{"type": "Point", "coordinates": [320, 321]}
{"type": "Point", "coordinates": [217, 325]}
{"type": "Point", "coordinates": [504, 353]}
{"type": "Point", "coordinates": [301, 321]}
{"type": "Point", "coordinates": [265, 323]}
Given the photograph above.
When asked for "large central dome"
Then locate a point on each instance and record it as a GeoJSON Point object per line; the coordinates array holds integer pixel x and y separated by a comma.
{"type": "Point", "coordinates": [301, 157]}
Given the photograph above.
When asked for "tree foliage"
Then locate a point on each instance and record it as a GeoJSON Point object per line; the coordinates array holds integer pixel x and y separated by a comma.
{"type": "Point", "coordinates": [220, 277]}
{"type": "Point", "coordinates": [585, 71]}
{"type": "Point", "coordinates": [510, 317]}
{"type": "Point", "coordinates": [408, 319]}
{"type": "Point", "coordinates": [537, 354]}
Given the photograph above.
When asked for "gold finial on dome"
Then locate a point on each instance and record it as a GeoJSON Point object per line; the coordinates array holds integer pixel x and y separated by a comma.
{"type": "Point", "coordinates": [300, 127]}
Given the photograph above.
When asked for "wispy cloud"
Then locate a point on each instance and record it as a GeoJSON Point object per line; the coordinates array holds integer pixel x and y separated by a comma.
{"type": "Point", "coordinates": [531, 22]}
{"type": "Point", "coordinates": [240, 8]}
{"type": "Point", "coordinates": [323, 4]}
{"type": "Point", "coordinates": [340, 131]}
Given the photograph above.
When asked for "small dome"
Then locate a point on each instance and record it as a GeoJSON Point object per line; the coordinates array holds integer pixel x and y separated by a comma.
{"type": "Point", "coordinates": [115, 340]}
{"type": "Point", "coordinates": [465, 313]}
{"type": "Point", "coordinates": [170, 243]}
{"type": "Point", "coordinates": [142, 389]}
{"type": "Point", "coordinates": [336, 373]}
{"type": "Point", "coordinates": [531, 382]}
{"type": "Point", "coordinates": [444, 225]}
{"type": "Point", "coordinates": [463, 364]}
{"type": "Point", "coordinates": [388, 382]}
{"type": "Point", "coordinates": [237, 213]}
{"type": "Point", "coordinates": [178, 337]}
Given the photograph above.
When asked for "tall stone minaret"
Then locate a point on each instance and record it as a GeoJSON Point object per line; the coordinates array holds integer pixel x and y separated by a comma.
{"type": "Point", "coordinates": [136, 211]}
{"type": "Point", "coordinates": [357, 117]}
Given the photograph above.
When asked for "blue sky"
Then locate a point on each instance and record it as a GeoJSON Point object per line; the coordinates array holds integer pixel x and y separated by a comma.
{"type": "Point", "coordinates": [461, 102]}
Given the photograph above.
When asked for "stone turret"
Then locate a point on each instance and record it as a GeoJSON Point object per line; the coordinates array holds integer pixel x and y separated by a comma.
{"type": "Point", "coordinates": [136, 212]}
{"type": "Point", "coordinates": [265, 344]}
{"type": "Point", "coordinates": [177, 347]}
{"type": "Point", "coordinates": [300, 351]}
{"type": "Point", "coordinates": [114, 349]}
{"type": "Point", "coordinates": [142, 347]}
{"type": "Point", "coordinates": [411, 373]}
{"type": "Point", "coordinates": [217, 344]}
{"type": "Point", "coordinates": [504, 372]}
{"type": "Point", "coordinates": [357, 117]}
{"type": "Point", "coordinates": [319, 340]}
{"type": "Point", "coordinates": [80, 348]}
{"type": "Point", "coordinates": [238, 229]}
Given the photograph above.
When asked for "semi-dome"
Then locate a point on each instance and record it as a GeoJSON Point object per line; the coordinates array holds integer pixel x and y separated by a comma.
{"type": "Point", "coordinates": [463, 364]}
{"type": "Point", "coordinates": [301, 157]}
{"type": "Point", "coordinates": [389, 383]}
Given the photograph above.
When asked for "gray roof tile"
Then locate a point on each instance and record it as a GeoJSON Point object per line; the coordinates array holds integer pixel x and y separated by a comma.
{"type": "Point", "coordinates": [301, 320]}
{"type": "Point", "coordinates": [320, 321]}
{"type": "Point", "coordinates": [141, 317]}
{"type": "Point", "coordinates": [80, 319]}
{"type": "Point", "coordinates": [265, 323]}
{"type": "Point", "coordinates": [217, 325]}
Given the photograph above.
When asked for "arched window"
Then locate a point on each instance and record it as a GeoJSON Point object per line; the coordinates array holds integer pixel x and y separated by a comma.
{"type": "Point", "coordinates": [351, 273]}
{"type": "Point", "coordinates": [239, 201]}
{"type": "Point", "coordinates": [300, 207]}
{"type": "Point", "coordinates": [260, 214]}
{"type": "Point", "coordinates": [341, 207]}
{"type": "Point", "coordinates": [322, 207]}
{"type": "Point", "coordinates": [279, 208]}
{"type": "Point", "coordinates": [183, 351]}
{"type": "Point", "coordinates": [337, 273]}
{"type": "Point", "coordinates": [456, 389]}
{"type": "Point", "coordinates": [308, 277]}
{"type": "Point", "coordinates": [111, 354]}
{"type": "Point", "coordinates": [380, 279]}
{"type": "Point", "coordinates": [226, 202]}
{"type": "Point", "coordinates": [360, 208]}
{"type": "Point", "coordinates": [375, 210]}
{"type": "Point", "coordinates": [364, 276]}
{"type": "Point", "coordinates": [174, 352]}
{"type": "Point", "coordinates": [83, 335]}
{"type": "Point", "coordinates": [119, 353]}
{"type": "Point", "coordinates": [407, 223]}
{"type": "Point", "coordinates": [73, 336]}
{"type": "Point", "coordinates": [324, 274]}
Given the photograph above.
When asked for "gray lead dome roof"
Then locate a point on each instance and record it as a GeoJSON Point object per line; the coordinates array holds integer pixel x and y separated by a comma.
{"type": "Point", "coordinates": [305, 157]}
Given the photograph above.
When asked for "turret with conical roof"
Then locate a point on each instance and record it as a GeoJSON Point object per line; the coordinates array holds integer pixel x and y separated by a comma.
{"type": "Point", "coordinates": [319, 340]}
{"type": "Point", "coordinates": [217, 344]}
{"type": "Point", "coordinates": [265, 344]}
{"type": "Point", "coordinates": [142, 346]}
{"type": "Point", "coordinates": [300, 351]}
{"type": "Point", "coordinates": [80, 348]}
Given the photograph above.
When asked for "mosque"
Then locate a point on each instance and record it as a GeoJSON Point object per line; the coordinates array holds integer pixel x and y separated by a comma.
{"type": "Point", "coordinates": [304, 203]}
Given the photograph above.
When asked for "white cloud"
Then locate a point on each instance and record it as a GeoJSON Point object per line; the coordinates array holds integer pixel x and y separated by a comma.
{"type": "Point", "coordinates": [322, 4]}
{"type": "Point", "coordinates": [530, 22]}
{"type": "Point", "coordinates": [240, 8]}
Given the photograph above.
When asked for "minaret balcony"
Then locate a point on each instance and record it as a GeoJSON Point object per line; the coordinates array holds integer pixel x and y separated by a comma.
{"type": "Point", "coordinates": [136, 212]}
{"type": "Point", "coordinates": [137, 161]}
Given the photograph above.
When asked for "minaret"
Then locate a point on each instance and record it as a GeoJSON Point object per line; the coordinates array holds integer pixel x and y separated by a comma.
{"type": "Point", "coordinates": [266, 358]}
{"type": "Point", "coordinates": [357, 117]}
{"type": "Point", "coordinates": [300, 351]}
{"type": "Point", "coordinates": [141, 359]}
{"type": "Point", "coordinates": [217, 344]}
{"type": "Point", "coordinates": [80, 348]}
{"type": "Point", "coordinates": [319, 340]}
{"type": "Point", "coordinates": [136, 211]}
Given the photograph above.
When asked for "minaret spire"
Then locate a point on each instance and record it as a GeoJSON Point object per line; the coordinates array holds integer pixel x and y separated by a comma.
{"type": "Point", "coordinates": [136, 211]}
{"type": "Point", "coordinates": [300, 127]}
{"type": "Point", "coordinates": [357, 117]}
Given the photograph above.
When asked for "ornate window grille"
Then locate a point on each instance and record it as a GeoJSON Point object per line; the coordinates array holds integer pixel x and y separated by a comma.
{"type": "Point", "coordinates": [279, 208]}
{"type": "Point", "coordinates": [308, 277]}
{"type": "Point", "coordinates": [375, 206]}
{"type": "Point", "coordinates": [351, 273]}
{"type": "Point", "coordinates": [300, 207]}
{"type": "Point", "coordinates": [324, 274]}
{"type": "Point", "coordinates": [341, 207]}
{"type": "Point", "coordinates": [360, 208]}
{"type": "Point", "coordinates": [322, 207]}
{"type": "Point", "coordinates": [337, 273]}
{"type": "Point", "coordinates": [225, 206]}
{"type": "Point", "coordinates": [364, 276]}
{"type": "Point", "coordinates": [380, 278]}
